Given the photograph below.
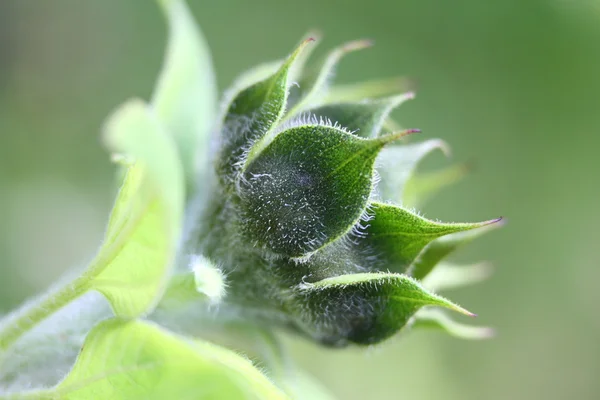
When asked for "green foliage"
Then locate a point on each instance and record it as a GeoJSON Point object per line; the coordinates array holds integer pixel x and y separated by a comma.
{"type": "Point", "coordinates": [136, 359]}
{"type": "Point", "coordinates": [288, 228]}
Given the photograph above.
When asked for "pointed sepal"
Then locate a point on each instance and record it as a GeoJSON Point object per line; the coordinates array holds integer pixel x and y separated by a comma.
{"type": "Point", "coordinates": [394, 236]}
{"type": "Point", "coordinates": [442, 247]}
{"type": "Point", "coordinates": [251, 114]}
{"type": "Point", "coordinates": [361, 308]}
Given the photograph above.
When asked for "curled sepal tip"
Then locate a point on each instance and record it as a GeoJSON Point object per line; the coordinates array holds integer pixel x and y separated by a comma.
{"type": "Point", "coordinates": [363, 308]}
{"type": "Point", "coordinates": [314, 84]}
{"type": "Point", "coordinates": [438, 319]}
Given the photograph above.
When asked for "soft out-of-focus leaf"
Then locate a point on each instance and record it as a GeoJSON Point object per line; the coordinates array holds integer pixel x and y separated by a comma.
{"type": "Point", "coordinates": [136, 359]}
{"type": "Point", "coordinates": [313, 86]}
{"type": "Point", "coordinates": [307, 188]}
{"type": "Point", "coordinates": [394, 236]}
{"type": "Point", "coordinates": [364, 119]}
{"type": "Point", "coordinates": [440, 248]}
{"type": "Point", "coordinates": [421, 186]}
{"type": "Point", "coordinates": [185, 95]}
{"type": "Point", "coordinates": [252, 113]}
{"type": "Point", "coordinates": [450, 276]}
{"type": "Point", "coordinates": [438, 319]}
{"type": "Point", "coordinates": [360, 308]}
{"type": "Point", "coordinates": [397, 164]}
{"type": "Point", "coordinates": [135, 261]}
{"type": "Point", "coordinates": [354, 92]}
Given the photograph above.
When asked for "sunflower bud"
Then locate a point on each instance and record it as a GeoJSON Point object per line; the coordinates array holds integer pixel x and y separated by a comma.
{"type": "Point", "coordinates": [306, 236]}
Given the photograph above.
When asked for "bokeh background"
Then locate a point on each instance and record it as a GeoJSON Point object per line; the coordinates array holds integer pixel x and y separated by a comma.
{"type": "Point", "coordinates": [513, 85]}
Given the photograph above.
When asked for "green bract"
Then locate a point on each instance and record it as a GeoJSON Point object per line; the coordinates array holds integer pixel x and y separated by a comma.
{"type": "Point", "coordinates": [298, 215]}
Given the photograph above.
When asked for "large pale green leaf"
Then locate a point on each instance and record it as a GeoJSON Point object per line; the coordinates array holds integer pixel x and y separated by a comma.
{"type": "Point", "coordinates": [442, 247]}
{"type": "Point", "coordinates": [438, 319]}
{"type": "Point", "coordinates": [394, 237]}
{"type": "Point", "coordinates": [250, 116]}
{"type": "Point", "coordinates": [134, 263]}
{"type": "Point", "coordinates": [185, 94]}
{"type": "Point", "coordinates": [307, 188]}
{"type": "Point", "coordinates": [360, 308]}
{"type": "Point", "coordinates": [365, 118]}
{"type": "Point", "coordinates": [139, 360]}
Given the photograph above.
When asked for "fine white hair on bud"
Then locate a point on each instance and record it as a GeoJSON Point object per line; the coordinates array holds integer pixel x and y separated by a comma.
{"type": "Point", "coordinates": [209, 279]}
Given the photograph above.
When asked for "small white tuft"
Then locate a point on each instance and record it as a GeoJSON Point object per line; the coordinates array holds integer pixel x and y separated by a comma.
{"type": "Point", "coordinates": [209, 279]}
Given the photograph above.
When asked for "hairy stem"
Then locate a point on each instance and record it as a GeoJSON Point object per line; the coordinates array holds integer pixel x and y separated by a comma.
{"type": "Point", "coordinates": [32, 313]}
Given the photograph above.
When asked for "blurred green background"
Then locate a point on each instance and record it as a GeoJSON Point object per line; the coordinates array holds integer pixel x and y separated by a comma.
{"type": "Point", "coordinates": [513, 85]}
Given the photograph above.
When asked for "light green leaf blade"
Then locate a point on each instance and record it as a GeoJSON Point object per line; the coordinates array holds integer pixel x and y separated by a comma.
{"type": "Point", "coordinates": [133, 264]}
{"type": "Point", "coordinates": [422, 186]}
{"type": "Point", "coordinates": [442, 247]}
{"type": "Point", "coordinates": [137, 359]}
{"type": "Point", "coordinates": [307, 188]}
{"type": "Point", "coordinates": [395, 236]}
{"type": "Point", "coordinates": [447, 276]}
{"type": "Point", "coordinates": [397, 165]}
{"type": "Point", "coordinates": [364, 118]}
{"type": "Point", "coordinates": [360, 308]}
{"type": "Point", "coordinates": [438, 319]}
{"type": "Point", "coordinates": [185, 94]}
{"type": "Point", "coordinates": [250, 116]}
{"type": "Point", "coordinates": [354, 92]}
